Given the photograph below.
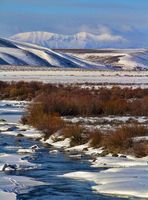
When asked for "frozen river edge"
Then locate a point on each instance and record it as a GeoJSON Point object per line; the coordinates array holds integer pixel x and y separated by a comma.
{"type": "Point", "coordinates": [125, 177]}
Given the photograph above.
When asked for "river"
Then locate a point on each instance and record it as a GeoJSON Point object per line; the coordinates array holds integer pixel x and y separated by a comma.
{"type": "Point", "coordinates": [44, 168]}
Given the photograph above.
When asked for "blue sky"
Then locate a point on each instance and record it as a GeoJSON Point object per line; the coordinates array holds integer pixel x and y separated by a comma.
{"type": "Point", "coordinates": [71, 16]}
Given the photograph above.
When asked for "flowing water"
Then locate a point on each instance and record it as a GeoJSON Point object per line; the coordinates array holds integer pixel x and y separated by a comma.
{"type": "Point", "coordinates": [45, 168]}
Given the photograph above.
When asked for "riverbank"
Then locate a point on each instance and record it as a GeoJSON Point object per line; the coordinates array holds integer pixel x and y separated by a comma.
{"type": "Point", "coordinates": [126, 176]}
{"type": "Point", "coordinates": [30, 169]}
{"type": "Point", "coordinates": [121, 175]}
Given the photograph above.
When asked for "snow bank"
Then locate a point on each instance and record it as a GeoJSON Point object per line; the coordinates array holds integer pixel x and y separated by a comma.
{"type": "Point", "coordinates": [61, 143]}
{"type": "Point", "coordinates": [15, 159]}
{"type": "Point", "coordinates": [129, 161]}
{"type": "Point", "coordinates": [32, 149]}
{"type": "Point", "coordinates": [18, 183]}
{"type": "Point", "coordinates": [127, 176]}
{"type": "Point", "coordinates": [117, 181]}
{"type": "Point", "coordinates": [64, 143]}
{"type": "Point", "coordinates": [30, 133]}
{"type": "Point", "coordinates": [7, 196]}
{"type": "Point", "coordinates": [124, 181]}
{"type": "Point", "coordinates": [140, 138]}
{"type": "Point", "coordinates": [78, 148]}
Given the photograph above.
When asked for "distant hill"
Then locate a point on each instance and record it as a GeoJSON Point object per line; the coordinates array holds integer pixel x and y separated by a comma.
{"type": "Point", "coordinates": [24, 54]}
{"type": "Point", "coordinates": [79, 40]}
{"type": "Point", "coordinates": [126, 59]}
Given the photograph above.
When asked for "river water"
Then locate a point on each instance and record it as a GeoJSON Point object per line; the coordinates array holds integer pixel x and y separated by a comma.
{"type": "Point", "coordinates": [47, 170]}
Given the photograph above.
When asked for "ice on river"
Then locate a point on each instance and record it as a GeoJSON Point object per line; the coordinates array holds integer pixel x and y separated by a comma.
{"type": "Point", "coordinates": [12, 110]}
{"type": "Point", "coordinates": [7, 195]}
{"type": "Point", "coordinates": [18, 184]}
{"type": "Point", "coordinates": [15, 160]}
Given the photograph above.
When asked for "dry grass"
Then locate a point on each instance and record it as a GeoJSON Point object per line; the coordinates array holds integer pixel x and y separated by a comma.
{"type": "Point", "coordinates": [73, 100]}
{"type": "Point", "coordinates": [121, 140]}
{"type": "Point", "coordinates": [140, 149]}
{"type": "Point", "coordinates": [52, 101]}
{"type": "Point", "coordinates": [96, 138]}
{"type": "Point", "coordinates": [75, 133]}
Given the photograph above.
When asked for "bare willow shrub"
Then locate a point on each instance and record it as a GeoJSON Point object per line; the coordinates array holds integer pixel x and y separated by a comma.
{"type": "Point", "coordinates": [75, 133]}
{"type": "Point", "coordinates": [122, 139]}
{"type": "Point", "coordinates": [96, 138]}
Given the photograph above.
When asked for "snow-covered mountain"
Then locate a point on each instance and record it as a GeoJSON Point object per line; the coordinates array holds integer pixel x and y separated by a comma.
{"type": "Point", "coordinates": [126, 59]}
{"type": "Point", "coordinates": [79, 40]}
{"type": "Point", "coordinates": [24, 54]}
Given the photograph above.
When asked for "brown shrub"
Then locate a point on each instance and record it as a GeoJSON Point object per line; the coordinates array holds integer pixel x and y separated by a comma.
{"type": "Point", "coordinates": [51, 124]}
{"type": "Point", "coordinates": [122, 139]}
{"type": "Point", "coordinates": [96, 138]}
{"type": "Point", "coordinates": [75, 133]}
{"type": "Point", "coordinates": [116, 107]}
{"type": "Point", "coordinates": [144, 106]}
{"type": "Point", "coordinates": [24, 120]}
{"type": "Point", "coordinates": [73, 100]}
{"type": "Point", "coordinates": [42, 120]}
{"type": "Point", "coordinates": [140, 149]}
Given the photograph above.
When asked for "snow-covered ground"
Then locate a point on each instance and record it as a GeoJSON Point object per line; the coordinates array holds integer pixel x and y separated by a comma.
{"type": "Point", "coordinates": [7, 195]}
{"type": "Point", "coordinates": [12, 183]}
{"type": "Point", "coordinates": [131, 79]}
{"type": "Point", "coordinates": [123, 175]}
{"type": "Point", "coordinates": [127, 59]}
{"type": "Point", "coordinates": [12, 110]}
{"type": "Point", "coordinates": [107, 120]}
{"type": "Point", "coordinates": [127, 176]}
{"type": "Point", "coordinates": [16, 160]}
{"type": "Point", "coordinates": [106, 123]}
{"type": "Point", "coordinates": [127, 181]}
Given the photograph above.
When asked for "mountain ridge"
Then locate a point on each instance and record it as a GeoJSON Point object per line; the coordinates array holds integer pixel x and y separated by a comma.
{"type": "Point", "coordinates": [19, 53]}
{"type": "Point", "coordinates": [78, 40]}
{"type": "Point", "coordinates": [15, 53]}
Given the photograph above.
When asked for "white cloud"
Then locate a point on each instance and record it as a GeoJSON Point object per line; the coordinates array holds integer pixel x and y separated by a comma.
{"type": "Point", "coordinates": [106, 37]}
{"type": "Point", "coordinates": [103, 33]}
{"type": "Point", "coordinates": [104, 29]}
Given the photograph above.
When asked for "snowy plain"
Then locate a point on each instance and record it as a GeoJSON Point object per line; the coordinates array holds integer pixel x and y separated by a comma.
{"type": "Point", "coordinates": [84, 77]}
